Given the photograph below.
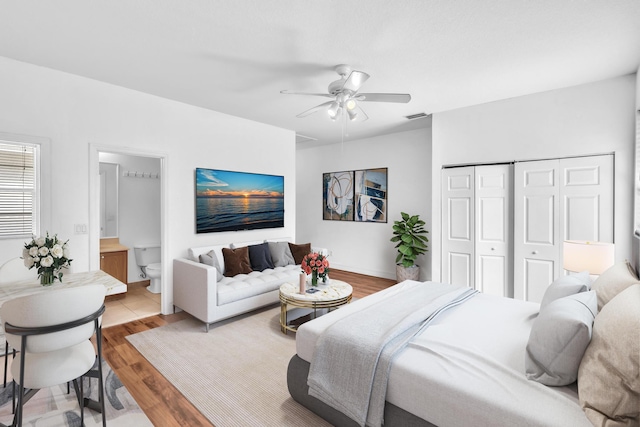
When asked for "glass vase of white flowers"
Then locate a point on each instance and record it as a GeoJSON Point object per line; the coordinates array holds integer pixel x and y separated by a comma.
{"type": "Point", "coordinates": [48, 255]}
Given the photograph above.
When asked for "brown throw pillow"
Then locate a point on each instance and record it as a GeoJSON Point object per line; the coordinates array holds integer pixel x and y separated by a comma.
{"type": "Point", "coordinates": [608, 378]}
{"type": "Point", "coordinates": [613, 281]}
{"type": "Point", "coordinates": [236, 261]}
{"type": "Point", "coordinates": [299, 251]}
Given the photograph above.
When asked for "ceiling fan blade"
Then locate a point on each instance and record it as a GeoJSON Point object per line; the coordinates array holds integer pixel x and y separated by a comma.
{"type": "Point", "coordinates": [355, 80]}
{"type": "Point", "coordinates": [290, 92]}
{"type": "Point", "coordinates": [384, 97]}
{"type": "Point", "coordinates": [313, 110]}
{"type": "Point", "coordinates": [364, 115]}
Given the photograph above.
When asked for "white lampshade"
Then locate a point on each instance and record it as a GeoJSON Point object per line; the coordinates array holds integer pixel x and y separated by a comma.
{"type": "Point", "coordinates": [594, 257]}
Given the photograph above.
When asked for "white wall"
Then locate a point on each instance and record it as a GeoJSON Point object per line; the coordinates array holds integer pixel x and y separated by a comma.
{"type": "Point", "coordinates": [594, 118]}
{"type": "Point", "coordinates": [356, 246]}
{"type": "Point", "coordinates": [138, 205]}
{"type": "Point", "coordinates": [76, 113]}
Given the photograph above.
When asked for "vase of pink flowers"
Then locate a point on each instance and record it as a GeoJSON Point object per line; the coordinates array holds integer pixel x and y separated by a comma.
{"type": "Point", "coordinates": [317, 265]}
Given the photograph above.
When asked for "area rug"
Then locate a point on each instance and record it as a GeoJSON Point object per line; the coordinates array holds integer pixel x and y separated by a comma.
{"type": "Point", "coordinates": [236, 374]}
{"type": "Point", "coordinates": [53, 407]}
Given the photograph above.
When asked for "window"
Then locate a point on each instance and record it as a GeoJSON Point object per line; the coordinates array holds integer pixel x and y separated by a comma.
{"type": "Point", "coordinates": [18, 189]}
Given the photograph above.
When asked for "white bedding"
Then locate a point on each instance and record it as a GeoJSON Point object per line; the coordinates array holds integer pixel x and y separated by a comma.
{"type": "Point", "coordinates": [467, 368]}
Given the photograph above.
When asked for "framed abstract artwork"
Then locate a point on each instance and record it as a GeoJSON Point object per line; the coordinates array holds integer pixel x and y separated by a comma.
{"type": "Point", "coordinates": [337, 196]}
{"type": "Point", "coordinates": [370, 201]}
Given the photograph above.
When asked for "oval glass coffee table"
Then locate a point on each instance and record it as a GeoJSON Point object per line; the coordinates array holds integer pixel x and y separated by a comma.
{"type": "Point", "coordinates": [329, 296]}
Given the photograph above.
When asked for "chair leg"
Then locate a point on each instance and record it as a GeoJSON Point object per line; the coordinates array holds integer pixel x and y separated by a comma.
{"type": "Point", "coordinates": [6, 361]}
{"type": "Point", "coordinates": [100, 377]}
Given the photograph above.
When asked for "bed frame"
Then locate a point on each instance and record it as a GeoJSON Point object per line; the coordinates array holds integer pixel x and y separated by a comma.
{"type": "Point", "coordinates": [297, 374]}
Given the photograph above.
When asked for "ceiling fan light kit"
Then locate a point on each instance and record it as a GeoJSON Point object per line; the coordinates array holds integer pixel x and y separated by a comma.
{"type": "Point", "coordinates": [344, 91]}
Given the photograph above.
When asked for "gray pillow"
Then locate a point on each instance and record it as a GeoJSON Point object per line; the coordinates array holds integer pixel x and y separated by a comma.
{"type": "Point", "coordinates": [211, 259]}
{"type": "Point", "coordinates": [281, 254]}
{"type": "Point", "coordinates": [260, 257]}
{"type": "Point", "coordinates": [565, 286]}
{"type": "Point", "coordinates": [559, 337]}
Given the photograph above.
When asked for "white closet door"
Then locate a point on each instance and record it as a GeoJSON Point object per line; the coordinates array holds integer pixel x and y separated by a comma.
{"type": "Point", "coordinates": [587, 198]}
{"type": "Point", "coordinates": [493, 231]}
{"type": "Point", "coordinates": [458, 226]}
{"type": "Point", "coordinates": [557, 200]}
{"type": "Point", "coordinates": [536, 228]}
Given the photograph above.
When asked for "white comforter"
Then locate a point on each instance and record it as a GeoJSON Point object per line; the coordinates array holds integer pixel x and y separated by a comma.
{"type": "Point", "coordinates": [467, 368]}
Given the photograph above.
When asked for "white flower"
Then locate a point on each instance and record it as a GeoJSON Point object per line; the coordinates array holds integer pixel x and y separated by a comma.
{"type": "Point", "coordinates": [43, 251]}
{"type": "Point", "coordinates": [40, 241]}
{"type": "Point", "coordinates": [57, 251]}
{"type": "Point", "coordinates": [28, 262]}
{"type": "Point", "coordinates": [33, 251]}
{"type": "Point", "coordinates": [25, 253]}
{"type": "Point", "coordinates": [65, 251]}
{"type": "Point", "coordinates": [46, 261]}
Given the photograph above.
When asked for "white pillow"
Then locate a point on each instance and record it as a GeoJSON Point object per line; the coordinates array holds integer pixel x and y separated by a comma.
{"type": "Point", "coordinates": [211, 259]}
{"type": "Point", "coordinates": [559, 337]}
{"type": "Point", "coordinates": [565, 286]}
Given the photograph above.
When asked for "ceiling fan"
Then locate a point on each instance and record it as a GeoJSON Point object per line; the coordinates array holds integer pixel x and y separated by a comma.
{"type": "Point", "coordinates": [346, 97]}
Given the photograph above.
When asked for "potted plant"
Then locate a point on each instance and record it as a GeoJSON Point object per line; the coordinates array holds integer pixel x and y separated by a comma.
{"type": "Point", "coordinates": [411, 240]}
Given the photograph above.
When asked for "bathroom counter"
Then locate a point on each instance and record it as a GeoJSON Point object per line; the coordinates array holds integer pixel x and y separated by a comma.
{"type": "Point", "coordinates": [111, 245]}
{"type": "Point", "coordinates": [114, 258]}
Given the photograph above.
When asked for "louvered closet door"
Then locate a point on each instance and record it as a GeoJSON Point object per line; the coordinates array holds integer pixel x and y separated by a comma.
{"type": "Point", "coordinates": [458, 226]}
{"type": "Point", "coordinates": [493, 231]}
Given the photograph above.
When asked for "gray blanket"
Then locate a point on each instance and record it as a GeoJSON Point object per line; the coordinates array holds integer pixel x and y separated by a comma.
{"type": "Point", "coordinates": [350, 366]}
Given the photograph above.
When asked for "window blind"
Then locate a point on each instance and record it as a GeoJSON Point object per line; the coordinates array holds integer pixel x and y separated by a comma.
{"type": "Point", "coordinates": [17, 189]}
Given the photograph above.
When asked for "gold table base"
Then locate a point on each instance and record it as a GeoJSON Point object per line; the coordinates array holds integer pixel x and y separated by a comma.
{"type": "Point", "coordinates": [315, 305]}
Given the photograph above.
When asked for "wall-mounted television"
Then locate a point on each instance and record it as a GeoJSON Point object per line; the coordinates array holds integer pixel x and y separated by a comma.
{"type": "Point", "coordinates": [232, 201]}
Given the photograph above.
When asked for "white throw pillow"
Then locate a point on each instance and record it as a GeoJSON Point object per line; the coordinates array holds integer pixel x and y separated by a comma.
{"type": "Point", "coordinates": [565, 286]}
{"type": "Point", "coordinates": [559, 337]}
{"type": "Point", "coordinates": [211, 259]}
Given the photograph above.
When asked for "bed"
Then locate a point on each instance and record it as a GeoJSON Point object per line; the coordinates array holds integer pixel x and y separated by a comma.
{"type": "Point", "coordinates": [468, 367]}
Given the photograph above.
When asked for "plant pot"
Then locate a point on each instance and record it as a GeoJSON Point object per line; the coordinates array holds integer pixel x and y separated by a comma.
{"type": "Point", "coordinates": [407, 273]}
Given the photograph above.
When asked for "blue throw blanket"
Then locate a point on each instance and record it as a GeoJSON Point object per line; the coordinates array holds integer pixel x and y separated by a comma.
{"type": "Point", "coordinates": [350, 366]}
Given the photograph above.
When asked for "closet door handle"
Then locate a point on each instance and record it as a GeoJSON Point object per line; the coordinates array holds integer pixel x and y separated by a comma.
{"type": "Point", "coordinates": [535, 252]}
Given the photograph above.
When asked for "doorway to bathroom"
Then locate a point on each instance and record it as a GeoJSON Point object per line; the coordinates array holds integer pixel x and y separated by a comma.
{"type": "Point", "coordinates": [126, 207]}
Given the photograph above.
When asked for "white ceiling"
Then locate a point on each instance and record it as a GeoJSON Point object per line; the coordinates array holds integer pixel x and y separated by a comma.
{"type": "Point", "coordinates": [235, 56]}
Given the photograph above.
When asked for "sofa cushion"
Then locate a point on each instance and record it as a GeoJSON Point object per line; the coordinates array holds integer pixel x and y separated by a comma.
{"type": "Point", "coordinates": [608, 379]}
{"type": "Point", "coordinates": [242, 286]}
{"type": "Point", "coordinates": [281, 254]}
{"type": "Point", "coordinates": [558, 339]}
{"type": "Point", "coordinates": [260, 257]}
{"type": "Point", "coordinates": [236, 261]}
{"type": "Point", "coordinates": [613, 281]}
{"type": "Point", "coordinates": [299, 251]}
{"type": "Point", "coordinates": [565, 286]}
{"type": "Point", "coordinates": [211, 259]}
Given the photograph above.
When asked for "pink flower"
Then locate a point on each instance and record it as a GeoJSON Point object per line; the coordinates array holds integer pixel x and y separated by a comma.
{"type": "Point", "coordinates": [321, 270]}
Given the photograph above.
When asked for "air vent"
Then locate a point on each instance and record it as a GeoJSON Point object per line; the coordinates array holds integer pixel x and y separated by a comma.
{"type": "Point", "coordinates": [417, 116]}
{"type": "Point", "coordinates": [303, 138]}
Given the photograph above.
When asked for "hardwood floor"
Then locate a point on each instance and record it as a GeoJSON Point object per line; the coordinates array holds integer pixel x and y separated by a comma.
{"type": "Point", "coordinates": [158, 398]}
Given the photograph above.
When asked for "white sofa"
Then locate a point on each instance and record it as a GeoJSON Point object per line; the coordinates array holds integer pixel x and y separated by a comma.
{"type": "Point", "coordinates": [197, 291]}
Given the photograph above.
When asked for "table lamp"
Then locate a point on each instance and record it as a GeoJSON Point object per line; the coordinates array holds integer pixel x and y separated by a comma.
{"type": "Point", "coordinates": [594, 257]}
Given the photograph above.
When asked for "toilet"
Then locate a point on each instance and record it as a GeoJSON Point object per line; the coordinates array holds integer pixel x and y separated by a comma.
{"type": "Point", "coordinates": [148, 259]}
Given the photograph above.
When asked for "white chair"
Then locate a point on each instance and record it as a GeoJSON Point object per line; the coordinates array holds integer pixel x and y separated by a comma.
{"type": "Point", "coordinates": [13, 271]}
{"type": "Point", "coordinates": [52, 331]}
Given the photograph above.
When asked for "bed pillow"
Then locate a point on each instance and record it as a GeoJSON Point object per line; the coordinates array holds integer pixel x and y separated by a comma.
{"type": "Point", "coordinates": [281, 254]}
{"type": "Point", "coordinates": [559, 338]}
{"type": "Point", "coordinates": [565, 286]}
{"type": "Point", "coordinates": [613, 281]}
{"type": "Point", "coordinates": [236, 261]}
{"type": "Point", "coordinates": [609, 375]}
{"type": "Point", "coordinates": [211, 259]}
{"type": "Point", "coordinates": [299, 251]}
{"type": "Point", "coordinates": [260, 257]}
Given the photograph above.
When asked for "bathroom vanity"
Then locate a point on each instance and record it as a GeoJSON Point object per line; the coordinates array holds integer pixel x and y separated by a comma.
{"type": "Point", "coordinates": [114, 258]}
